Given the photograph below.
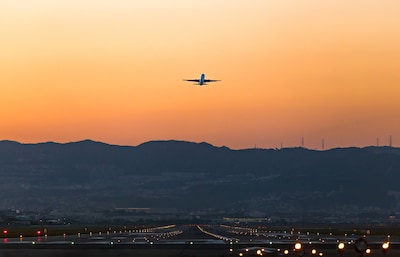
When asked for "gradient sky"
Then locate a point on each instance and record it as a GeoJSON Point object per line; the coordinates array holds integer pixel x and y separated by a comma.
{"type": "Point", "coordinates": [112, 71]}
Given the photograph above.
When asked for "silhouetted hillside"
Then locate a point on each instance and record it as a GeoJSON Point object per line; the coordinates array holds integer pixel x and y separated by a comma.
{"type": "Point", "coordinates": [195, 176]}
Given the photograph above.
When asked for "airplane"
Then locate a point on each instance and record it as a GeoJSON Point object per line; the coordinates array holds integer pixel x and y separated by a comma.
{"type": "Point", "coordinates": [202, 81]}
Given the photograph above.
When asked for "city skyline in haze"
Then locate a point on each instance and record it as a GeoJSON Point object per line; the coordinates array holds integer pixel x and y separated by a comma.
{"type": "Point", "coordinates": [112, 71]}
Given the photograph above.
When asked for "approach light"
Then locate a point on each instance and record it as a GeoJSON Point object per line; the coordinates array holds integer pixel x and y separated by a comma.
{"type": "Point", "coordinates": [385, 247]}
{"type": "Point", "coordinates": [340, 247]}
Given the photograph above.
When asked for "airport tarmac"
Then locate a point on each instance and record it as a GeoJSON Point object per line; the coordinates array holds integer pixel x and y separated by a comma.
{"type": "Point", "coordinates": [201, 241]}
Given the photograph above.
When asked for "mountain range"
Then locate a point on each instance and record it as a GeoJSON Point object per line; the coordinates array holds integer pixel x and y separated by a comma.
{"type": "Point", "coordinates": [198, 176]}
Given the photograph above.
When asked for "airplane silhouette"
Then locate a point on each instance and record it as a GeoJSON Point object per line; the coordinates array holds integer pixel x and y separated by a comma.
{"type": "Point", "coordinates": [202, 81]}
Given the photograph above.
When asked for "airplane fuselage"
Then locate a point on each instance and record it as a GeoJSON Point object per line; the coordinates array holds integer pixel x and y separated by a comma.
{"type": "Point", "coordinates": [201, 81]}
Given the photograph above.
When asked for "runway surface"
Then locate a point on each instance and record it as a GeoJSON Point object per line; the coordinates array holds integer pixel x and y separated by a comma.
{"type": "Point", "coordinates": [192, 240]}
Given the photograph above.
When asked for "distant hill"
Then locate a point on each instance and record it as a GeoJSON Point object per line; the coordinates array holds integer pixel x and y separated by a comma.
{"type": "Point", "coordinates": [196, 176]}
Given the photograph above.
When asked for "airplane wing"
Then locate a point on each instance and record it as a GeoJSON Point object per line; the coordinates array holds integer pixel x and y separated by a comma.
{"type": "Point", "coordinates": [192, 80]}
{"type": "Point", "coordinates": [211, 80]}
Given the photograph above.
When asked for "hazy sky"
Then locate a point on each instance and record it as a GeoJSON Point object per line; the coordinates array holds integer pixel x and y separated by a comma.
{"type": "Point", "coordinates": [112, 71]}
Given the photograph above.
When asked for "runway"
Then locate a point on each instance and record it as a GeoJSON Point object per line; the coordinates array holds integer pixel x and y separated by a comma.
{"type": "Point", "coordinates": [203, 241]}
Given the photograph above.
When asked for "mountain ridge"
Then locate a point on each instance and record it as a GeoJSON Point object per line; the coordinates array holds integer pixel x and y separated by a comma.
{"type": "Point", "coordinates": [188, 175]}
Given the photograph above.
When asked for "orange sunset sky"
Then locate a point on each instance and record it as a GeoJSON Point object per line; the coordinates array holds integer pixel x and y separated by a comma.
{"type": "Point", "coordinates": [112, 71]}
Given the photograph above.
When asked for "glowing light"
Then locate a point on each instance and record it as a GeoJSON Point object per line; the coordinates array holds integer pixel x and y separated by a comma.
{"type": "Point", "coordinates": [297, 246]}
{"type": "Point", "coordinates": [385, 245]}
{"type": "Point", "coordinates": [313, 251]}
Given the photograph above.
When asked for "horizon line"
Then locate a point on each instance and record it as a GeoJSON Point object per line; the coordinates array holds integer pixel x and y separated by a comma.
{"type": "Point", "coordinates": [194, 142]}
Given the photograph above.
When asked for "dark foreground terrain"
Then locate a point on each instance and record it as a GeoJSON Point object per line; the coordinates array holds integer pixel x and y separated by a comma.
{"type": "Point", "coordinates": [163, 253]}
